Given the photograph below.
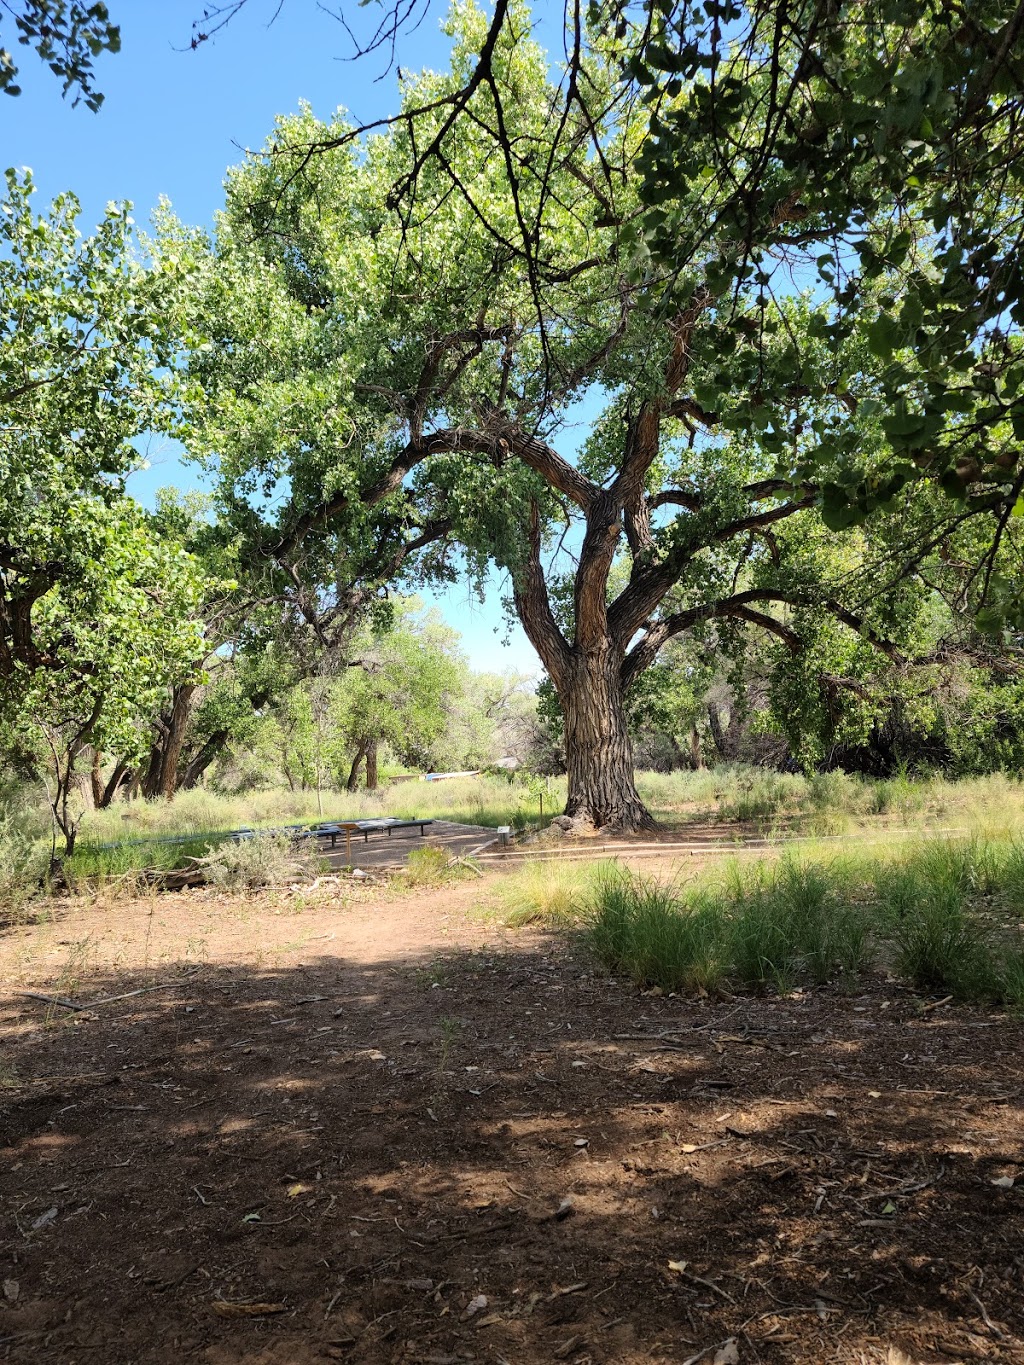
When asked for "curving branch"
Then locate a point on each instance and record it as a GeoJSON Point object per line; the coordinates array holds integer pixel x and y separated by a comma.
{"type": "Point", "coordinates": [534, 606]}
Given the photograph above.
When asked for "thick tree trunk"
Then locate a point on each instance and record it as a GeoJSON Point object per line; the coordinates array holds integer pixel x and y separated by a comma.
{"type": "Point", "coordinates": [598, 750]}
{"type": "Point", "coordinates": [121, 776]}
{"type": "Point", "coordinates": [162, 774]}
{"type": "Point", "coordinates": [199, 763]}
{"type": "Point", "coordinates": [96, 779]}
{"type": "Point", "coordinates": [175, 740]}
{"type": "Point", "coordinates": [353, 772]}
{"type": "Point", "coordinates": [715, 722]}
{"type": "Point", "coordinates": [371, 765]}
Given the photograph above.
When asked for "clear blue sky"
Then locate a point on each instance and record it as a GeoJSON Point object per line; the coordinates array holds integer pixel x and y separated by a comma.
{"type": "Point", "coordinates": [174, 120]}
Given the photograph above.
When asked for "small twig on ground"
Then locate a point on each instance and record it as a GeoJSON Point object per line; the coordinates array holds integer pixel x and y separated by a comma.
{"type": "Point", "coordinates": [708, 1284]}
{"type": "Point", "coordinates": [715, 1346]}
{"type": "Point", "coordinates": [985, 1317]}
{"type": "Point", "coordinates": [520, 1195]}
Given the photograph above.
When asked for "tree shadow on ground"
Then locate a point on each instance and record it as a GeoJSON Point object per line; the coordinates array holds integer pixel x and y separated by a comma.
{"type": "Point", "coordinates": [503, 1156]}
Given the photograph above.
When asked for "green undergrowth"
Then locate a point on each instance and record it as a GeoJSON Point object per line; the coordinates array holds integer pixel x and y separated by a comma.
{"type": "Point", "coordinates": [488, 801]}
{"type": "Point", "coordinates": [127, 838]}
{"type": "Point", "coordinates": [94, 864]}
{"type": "Point", "coordinates": [943, 915]}
{"type": "Point", "coordinates": [833, 803]}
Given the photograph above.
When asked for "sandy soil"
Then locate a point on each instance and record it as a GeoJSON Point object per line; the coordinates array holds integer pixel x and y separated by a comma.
{"type": "Point", "coordinates": [386, 1129]}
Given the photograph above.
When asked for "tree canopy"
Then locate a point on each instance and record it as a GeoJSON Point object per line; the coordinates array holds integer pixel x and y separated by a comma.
{"type": "Point", "coordinates": [399, 345]}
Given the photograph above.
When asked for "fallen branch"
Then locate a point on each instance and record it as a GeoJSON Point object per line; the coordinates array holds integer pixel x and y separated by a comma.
{"type": "Point", "coordinates": [464, 862]}
{"type": "Point", "coordinates": [985, 1317]}
{"type": "Point", "coordinates": [52, 1000]}
{"type": "Point", "coordinates": [104, 999]}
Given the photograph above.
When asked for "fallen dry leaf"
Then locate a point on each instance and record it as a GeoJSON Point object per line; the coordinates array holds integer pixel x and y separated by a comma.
{"type": "Point", "coordinates": [728, 1353]}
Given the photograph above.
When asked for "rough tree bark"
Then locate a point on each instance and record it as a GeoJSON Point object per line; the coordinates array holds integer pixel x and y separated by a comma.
{"type": "Point", "coordinates": [198, 764]}
{"type": "Point", "coordinates": [371, 765]}
{"type": "Point", "coordinates": [161, 777]}
{"type": "Point", "coordinates": [717, 733]}
{"type": "Point", "coordinates": [598, 748]}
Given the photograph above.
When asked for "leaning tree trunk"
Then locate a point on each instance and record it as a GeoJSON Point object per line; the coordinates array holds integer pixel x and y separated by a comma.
{"type": "Point", "coordinates": [715, 723]}
{"type": "Point", "coordinates": [120, 777]}
{"type": "Point", "coordinates": [598, 749]}
{"type": "Point", "coordinates": [200, 761]}
{"type": "Point", "coordinates": [161, 777]}
{"type": "Point", "coordinates": [353, 773]}
{"type": "Point", "coordinates": [371, 765]}
{"type": "Point", "coordinates": [175, 739]}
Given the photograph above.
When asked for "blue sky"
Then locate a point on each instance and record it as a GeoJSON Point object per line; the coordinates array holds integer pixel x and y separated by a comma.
{"type": "Point", "coordinates": [173, 120]}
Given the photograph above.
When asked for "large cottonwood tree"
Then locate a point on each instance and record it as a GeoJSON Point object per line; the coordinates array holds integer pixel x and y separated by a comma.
{"type": "Point", "coordinates": [405, 368]}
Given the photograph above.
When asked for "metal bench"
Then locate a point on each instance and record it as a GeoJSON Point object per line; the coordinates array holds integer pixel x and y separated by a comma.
{"type": "Point", "coordinates": [366, 828]}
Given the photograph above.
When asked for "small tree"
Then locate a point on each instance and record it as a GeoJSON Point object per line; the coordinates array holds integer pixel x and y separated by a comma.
{"type": "Point", "coordinates": [138, 638]}
{"type": "Point", "coordinates": [400, 692]}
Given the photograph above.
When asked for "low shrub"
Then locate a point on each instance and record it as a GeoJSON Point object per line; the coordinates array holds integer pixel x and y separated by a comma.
{"type": "Point", "coordinates": [262, 860]}
{"type": "Point", "coordinates": [429, 866]}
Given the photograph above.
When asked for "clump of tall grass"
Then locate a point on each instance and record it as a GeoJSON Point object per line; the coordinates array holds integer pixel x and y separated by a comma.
{"type": "Point", "coordinates": [429, 866]}
{"type": "Point", "coordinates": [549, 892]}
{"type": "Point", "coordinates": [763, 796]}
{"type": "Point", "coordinates": [935, 911]}
{"type": "Point", "coordinates": [932, 901]}
{"type": "Point", "coordinates": [23, 860]}
{"type": "Point", "coordinates": [789, 921]}
{"type": "Point", "coordinates": [641, 928]}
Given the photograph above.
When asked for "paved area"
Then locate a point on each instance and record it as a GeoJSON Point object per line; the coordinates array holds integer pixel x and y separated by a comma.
{"type": "Point", "coordinates": [391, 850]}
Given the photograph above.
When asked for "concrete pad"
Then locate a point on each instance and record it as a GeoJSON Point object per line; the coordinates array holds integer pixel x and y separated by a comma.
{"type": "Point", "coordinates": [391, 850]}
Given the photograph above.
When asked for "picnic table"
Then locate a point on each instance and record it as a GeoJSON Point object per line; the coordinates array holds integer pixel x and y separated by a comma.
{"type": "Point", "coordinates": [366, 828]}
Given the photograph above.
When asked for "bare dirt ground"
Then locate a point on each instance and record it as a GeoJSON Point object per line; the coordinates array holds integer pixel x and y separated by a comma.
{"type": "Point", "coordinates": [388, 1130]}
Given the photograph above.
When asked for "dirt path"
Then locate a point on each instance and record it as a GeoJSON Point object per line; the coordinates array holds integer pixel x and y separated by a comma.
{"type": "Point", "coordinates": [393, 1131]}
